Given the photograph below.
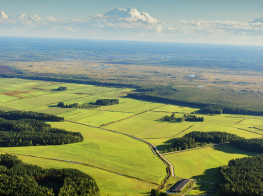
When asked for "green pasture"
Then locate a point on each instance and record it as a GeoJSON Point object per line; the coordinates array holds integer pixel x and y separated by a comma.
{"type": "Point", "coordinates": [131, 105]}
{"type": "Point", "coordinates": [110, 184]}
{"type": "Point", "coordinates": [149, 125]}
{"type": "Point", "coordinates": [6, 98]}
{"type": "Point", "coordinates": [94, 117]}
{"type": "Point", "coordinates": [33, 102]}
{"type": "Point", "coordinates": [53, 110]}
{"type": "Point", "coordinates": [103, 149]}
{"type": "Point", "coordinates": [203, 163]}
{"type": "Point", "coordinates": [177, 109]}
{"type": "Point", "coordinates": [22, 85]}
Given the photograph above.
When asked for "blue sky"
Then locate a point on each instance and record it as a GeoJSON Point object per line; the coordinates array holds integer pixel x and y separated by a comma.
{"type": "Point", "coordinates": [195, 21]}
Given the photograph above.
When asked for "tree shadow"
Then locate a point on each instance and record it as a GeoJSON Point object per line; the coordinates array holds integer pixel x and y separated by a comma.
{"type": "Point", "coordinates": [208, 177]}
{"type": "Point", "coordinates": [227, 148]}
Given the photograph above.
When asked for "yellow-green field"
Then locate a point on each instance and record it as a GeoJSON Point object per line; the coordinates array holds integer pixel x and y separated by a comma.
{"type": "Point", "coordinates": [115, 154]}
{"type": "Point", "coordinates": [203, 163]}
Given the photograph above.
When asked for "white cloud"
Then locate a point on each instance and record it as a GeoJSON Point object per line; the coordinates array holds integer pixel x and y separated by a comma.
{"type": "Point", "coordinates": [3, 15]}
{"type": "Point", "coordinates": [259, 20]}
{"type": "Point", "coordinates": [118, 18]}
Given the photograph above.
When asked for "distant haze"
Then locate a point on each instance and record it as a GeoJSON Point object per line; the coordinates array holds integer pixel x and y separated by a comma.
{"type": "Point", "coordinates": [191, 21]}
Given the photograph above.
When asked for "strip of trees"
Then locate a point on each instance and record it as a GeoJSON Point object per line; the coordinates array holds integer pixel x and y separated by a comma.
{"type": "Point", "coordinates": [18, 178]}
{"type": "Point", "coordinates": [76, 105]}
{"type": "Point", "coordinates": [62, 88]}
{"type": "Point", "coordinates": [16, 115]}
{"type": "Point", "coordinates": [242, 176]}
{"type": "Point", "coordinates": [107, 101]}
{"type": "Point", "coordinates": [196, 138]}
{"type": "Point", "coordinates": [185, 117]}
{"type": "Point", "coordinates": [32, 132]}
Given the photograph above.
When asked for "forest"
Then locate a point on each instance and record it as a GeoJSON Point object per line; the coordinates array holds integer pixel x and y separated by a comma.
{"type": "Point", "coordinates": [16, 115]}
{"type": "Point", "coordinates": [196, 138]}
{"type": "Point", "coordinates": [18, 178]}
{"type": "Point", "coordinates": [242, 176]}
{"type": "Point", "coordinates": [32, 132]}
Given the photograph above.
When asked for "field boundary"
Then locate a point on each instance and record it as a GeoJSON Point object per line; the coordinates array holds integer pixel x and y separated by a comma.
{"type": "Point", "coordinates": [85, 164]}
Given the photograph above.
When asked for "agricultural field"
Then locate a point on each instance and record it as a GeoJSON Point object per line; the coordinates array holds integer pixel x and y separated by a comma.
{"type": "Point", "coordinates": [203, 163]}
{"type": "Point", "coordinates": [120, 164]}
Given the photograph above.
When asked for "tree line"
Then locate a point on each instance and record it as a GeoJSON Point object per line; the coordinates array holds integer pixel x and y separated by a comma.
{"type": "Point", "coordinates": [196, 138]}
{"type": "Point", "coordinates": [185, 117]}
{"type": "Point", "coordinates": [76, 105]}
{"type": "Point", "coordinates": [30, 132]}
{"type": "Point", "coordinates": [18, 178]}
{"type": "Point", "coordinates": [16, 115]}
{"type": "Point", "coordinates": [107, 101]}
{"type": "Point", "coordinates": [243, 176]}
{"type": "Point", "coordinates": [98, 103]}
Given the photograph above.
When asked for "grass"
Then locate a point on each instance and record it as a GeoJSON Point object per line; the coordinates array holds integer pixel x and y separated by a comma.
{"type": "Point", "coordinates": [148, 125]}
{"type": "Point", "coordinates": [119, 153]}
{"type": "Point", "coordinates": [109, 184]}
{"type": "Point", "coordinates": [5, 98]}
{"type": "Point", "coordinates": [103, 149]}
{"type": "Point", "coordinates": [95, 117]}
{"type": "Point", "coordinates": [204, 163]}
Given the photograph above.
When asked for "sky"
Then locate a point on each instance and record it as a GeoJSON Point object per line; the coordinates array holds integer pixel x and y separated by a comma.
{"type": "Point", "coordinates": [191, 21]}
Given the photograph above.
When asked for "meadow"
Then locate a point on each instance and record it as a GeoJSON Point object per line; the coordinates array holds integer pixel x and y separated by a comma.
{"type": "Point", "coordinates": [110, 155]}
{"type": "Point", "coordinates": [203, 163]}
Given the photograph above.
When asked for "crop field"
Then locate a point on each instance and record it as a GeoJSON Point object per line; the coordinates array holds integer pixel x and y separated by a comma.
{"type": "Point", "coordinates": [109, 184]}
{"type": "Point", "coordinates": [103, 149]}
{"type": "Point", "coordinates": [110, 155]}
{"type": "Point", "coordinates": [203, 163]}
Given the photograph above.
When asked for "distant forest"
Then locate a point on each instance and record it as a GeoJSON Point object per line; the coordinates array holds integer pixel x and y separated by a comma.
{"type": "Point", "coordinates": [214, 102]}
{"type": "Point", "coordinates": [18, 178]}
{"type": "Point", "coordinates": [24, 130]}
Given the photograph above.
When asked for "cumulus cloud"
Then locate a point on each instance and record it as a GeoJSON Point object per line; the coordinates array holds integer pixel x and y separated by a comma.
{"type": "Point", "coordinates": [3, 15]}
{"type": "Point", "coordinates": [116, 18]}
{"type": "Point", "coordinates": [130, 18]}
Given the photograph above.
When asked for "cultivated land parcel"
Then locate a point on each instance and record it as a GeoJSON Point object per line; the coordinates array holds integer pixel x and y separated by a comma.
{"type": "Point", "coordinates": [122, 165]}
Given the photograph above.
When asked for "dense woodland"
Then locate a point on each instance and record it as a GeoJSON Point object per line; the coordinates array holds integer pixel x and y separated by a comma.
{"type": "Point", "coordinates": [18, 179]}
{"type": "Point", "coordinates": [16, 115]}
{"type": "Point", "coordinates": [107, 101]}
{"type": "Point", "coordinates": [31, 132]}
{"type": "Point", "coordinates": [197, 138]}
{"type": "Point", "coordinates": [242, 177]}
{"type": "Point", "coordinates": [212, 102]}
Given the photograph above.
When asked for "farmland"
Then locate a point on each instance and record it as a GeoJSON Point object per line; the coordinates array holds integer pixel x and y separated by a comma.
{"type": "Point", "coordinates": [120, 164]}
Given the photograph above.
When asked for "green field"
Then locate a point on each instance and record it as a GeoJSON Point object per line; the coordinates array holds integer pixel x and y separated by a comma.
{"type": "Point", "coordinates": [116, 152]}
{"type": "Point", "coordinates": [102, 149]}
{"type": "Point", "coordinates": [203, 163]}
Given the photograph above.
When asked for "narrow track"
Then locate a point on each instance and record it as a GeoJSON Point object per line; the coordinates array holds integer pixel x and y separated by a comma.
{"type": "Point", "coordinates": [169, 168]}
